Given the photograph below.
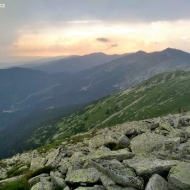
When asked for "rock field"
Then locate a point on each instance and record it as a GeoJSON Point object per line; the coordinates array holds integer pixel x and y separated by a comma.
{"type": "Point", "coordinates": [151, 154]}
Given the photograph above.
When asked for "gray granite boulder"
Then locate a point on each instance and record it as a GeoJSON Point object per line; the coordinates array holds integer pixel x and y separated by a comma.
{"type": "Point", "coordinates": [89, 175]}
{"type": "Point", "coordinates": [147, 143]}
{"type": "Point", "coordinates": [95, 187]}
{"type": "Point", "coordinates": [156, 182]}
{"type": "Point", "coordinates": [121, 154]}
{"type": "Point", "coordinates": [3, 173]}
{"type": "Point", "coordinates": [46, 185]}
{"type": "Point", "coordinates": [145, 167]}
{"type": "Point", "coordinates": [57, 180]}
{"type": "Point", "coordinates": [38, 161]}
{"type": "Point", "coordinates": [124, 177]}
{"type": "Point", "coordinates": [179, 177]}
{"type": "Point", "coordinates": [37, 179]}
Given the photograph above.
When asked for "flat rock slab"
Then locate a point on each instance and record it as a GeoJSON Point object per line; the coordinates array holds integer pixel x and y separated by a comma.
{"type": "Point", "coordinates": [96, 187]}
{"type": "Point", "coordinates": [124, 177]}
{"type": "Point", "coordinates": [145, 167]}
{"type": "Point", "coordinates": [156, 182]}
{"type": "Point", "coordinates": [89, 175]}
{"type": "Point", "coordinates": [179, 177]}
{"type": "Point", "coordinates": [110, 155]}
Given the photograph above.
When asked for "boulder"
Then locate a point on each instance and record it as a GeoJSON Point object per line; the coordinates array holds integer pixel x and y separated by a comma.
{"type": "Point", "coordinates": [117, 187]}
{"type": "Point", "coordinates": [156, 182]}
{"type": "Point", "coordinates": [37, 179]}
{"type": "Point", "coordinates": [57, 181]}
{"type": "Point", "coordinates": [165, 124]}
{"type": "Point", "coordinates": [89, 175]}
{"type": "Point", "coordinates": [95, 187]}
{"type": "Point", "coordinates": [147, 143]}
{"type": "Point", "coordinates": [100, 140]}
{"type": "Point", "coordinates": [114, 164]}
{"type": "Point", "coordinates": [121, 154]}
{"type": "Point", "coordinates": [66, 188]}
{"type": "Point", "coordinates": [145, 167]}
{"type": "Point", "coordinates": [52, 156]}
{"type": "Point", "coordinates": [38, 161]}
{"type": "Point", "coordinates": [184, 149]}
{"type": "Point", "coordinates": [179, 177]}
{"type": "Point", "coordinates": [64, 165]}
{"type": "Point", "coordinates": [106, 181]}
{"type": "Point", "coordinates": [3, 173]}
{"type": "Point", "coordinates": [124, 177]}
{"type": "Point", "coordinates": [136, 128]}
{"type": "Point", "coordinates": [46, 185]}
{"type": "Point", "coordinates": [123, 140]}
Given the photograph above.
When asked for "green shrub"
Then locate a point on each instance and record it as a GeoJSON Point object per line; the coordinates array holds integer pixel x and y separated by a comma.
{"type": "Point", "coordinates": [46, 169]}
{"type": "Point", "coordinates": [15, 171]}
{"type": "Point", "coordinates": [20, 184]}
{"type": "Point", "coordinates": [118, 147]}
{"type": "Point", "coordinates": [60, 187]}
{"type": "Point", "coordinates": [111, 145]}
{"type": "Point", "coordinates": [3, 164]}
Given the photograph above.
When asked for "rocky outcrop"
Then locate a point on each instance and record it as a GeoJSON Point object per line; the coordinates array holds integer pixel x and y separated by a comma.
{"type": "Point", "coordinates": [150, 154]}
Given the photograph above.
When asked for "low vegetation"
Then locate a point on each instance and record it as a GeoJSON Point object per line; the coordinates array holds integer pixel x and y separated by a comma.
{"type": "Point", "coordinates": [22, 183]}
{"type": "Point", "coordinates": [162, 94]}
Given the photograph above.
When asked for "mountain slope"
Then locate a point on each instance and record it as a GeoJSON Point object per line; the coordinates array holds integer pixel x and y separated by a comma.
{"type": "Point", "coordinates": [158, 96]}
{"type": "Point", "coordinates": [111, 77]}
{"type": "Point", "coordinates": [13, 138]}
{"type": "Point", "coordinates": [76, 64]}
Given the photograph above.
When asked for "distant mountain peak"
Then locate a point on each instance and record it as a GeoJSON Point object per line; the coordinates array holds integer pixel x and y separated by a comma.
{"type": "Point", "coordinates": [142, 52]}
{"type": "Point", "coordinates": [170, 49]}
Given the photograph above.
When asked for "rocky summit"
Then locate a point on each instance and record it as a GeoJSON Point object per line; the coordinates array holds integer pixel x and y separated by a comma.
{"type": "Point", "coordinates": [151, 154]}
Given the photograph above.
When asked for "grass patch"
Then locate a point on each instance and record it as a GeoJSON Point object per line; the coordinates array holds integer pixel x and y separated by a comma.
{"type": "Point", "coordinates": [46, 169]}
{"type": "Point", "coordinates": [20, 184]}
{"type": "Point", "coordinates": [60, 187]}
{"type": "Point", "coordinates": [111, 145]}
{"type": "Point", "coordinates": [15, 171]}
{"type": "Point", "coordinates": [3, 164]}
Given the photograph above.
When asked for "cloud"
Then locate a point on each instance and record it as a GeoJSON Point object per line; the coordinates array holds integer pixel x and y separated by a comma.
{"type": "Point", "coordinates": [91, 19]}
{"type": "Point", "coordinates": [103, 39]}
{"type": "Point", "coordinates": [113, 45]}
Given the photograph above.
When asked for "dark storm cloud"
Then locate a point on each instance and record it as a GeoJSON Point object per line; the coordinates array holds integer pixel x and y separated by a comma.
{"type": "Point", "coordinates": [120, 10]}
{"type": "Point", "coordinates": [102, 39]}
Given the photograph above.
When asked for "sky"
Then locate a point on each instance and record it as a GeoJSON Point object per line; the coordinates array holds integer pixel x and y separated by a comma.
{"type": "Point", "coordinates": [43, 28]}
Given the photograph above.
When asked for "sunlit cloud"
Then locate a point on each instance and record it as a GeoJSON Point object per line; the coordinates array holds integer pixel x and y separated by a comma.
{"type": "Point", "coordinates": [87, 36]}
